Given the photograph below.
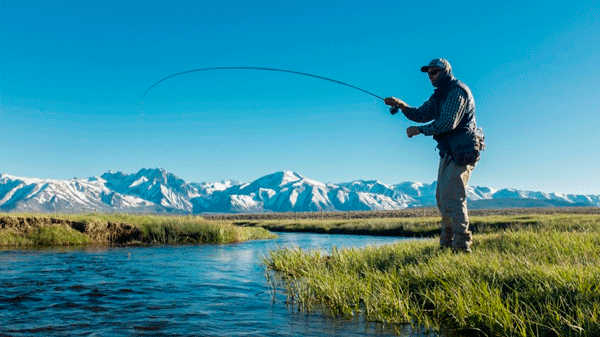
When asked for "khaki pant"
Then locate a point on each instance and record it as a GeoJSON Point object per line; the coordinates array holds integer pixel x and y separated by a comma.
{"type": "Point", "coordinates": [451, 197]}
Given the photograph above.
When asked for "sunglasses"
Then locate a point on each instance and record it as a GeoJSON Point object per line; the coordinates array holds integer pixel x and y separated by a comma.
{"type": "Point", "coordinates": [434, 72]}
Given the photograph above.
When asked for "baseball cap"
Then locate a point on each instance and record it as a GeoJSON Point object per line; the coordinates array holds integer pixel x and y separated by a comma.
{"type": "Point", "coordinates": [436, 63]}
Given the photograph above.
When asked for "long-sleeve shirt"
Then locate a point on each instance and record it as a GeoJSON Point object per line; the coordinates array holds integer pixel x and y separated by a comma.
{"type": "Point", "coordinates": [448, 118]}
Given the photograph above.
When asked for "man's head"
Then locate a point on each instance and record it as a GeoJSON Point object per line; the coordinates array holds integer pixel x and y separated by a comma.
{"type": "Point", "coordinates": [438, 70]}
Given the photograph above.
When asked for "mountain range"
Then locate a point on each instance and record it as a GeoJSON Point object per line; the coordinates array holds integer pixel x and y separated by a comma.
{"type": "Point", "coordinates": [158, 191]}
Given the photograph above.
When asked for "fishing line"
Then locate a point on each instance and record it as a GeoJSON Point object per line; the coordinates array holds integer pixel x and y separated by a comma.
{"type": "Point", "coordinates": [268, 69]}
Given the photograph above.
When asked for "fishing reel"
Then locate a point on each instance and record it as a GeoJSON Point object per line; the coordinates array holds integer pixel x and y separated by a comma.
{"type": "Point", "coordinates": [394, 110]}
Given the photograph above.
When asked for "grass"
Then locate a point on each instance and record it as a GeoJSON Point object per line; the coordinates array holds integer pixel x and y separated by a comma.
{"type": "Point", "coordinates": [406, 227]}
{"type": "Point", "coordinates": [399, 213]}
{"type": "Point", "coordinates": [44, 236]}
{"type": "Point", "coordinates": [422, 226]}
{"type": "Point", "coordinates": [77, 229]}
{"type": "Point", "coordinates": [528, 276]}
{"type": "Point", "coordinates": [180, 229]}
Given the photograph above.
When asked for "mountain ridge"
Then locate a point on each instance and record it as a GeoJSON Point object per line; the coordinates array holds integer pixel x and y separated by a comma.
{"type": "Point", "coordinates": [159, 191]}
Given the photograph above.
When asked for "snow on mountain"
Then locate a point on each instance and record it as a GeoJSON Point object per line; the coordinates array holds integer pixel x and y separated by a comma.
{"type": "Point", "coordinates": [370, 186]}
{"type": "Point", "coordinates": [158, 191]}
{"type": "Point", "coordinates": [76, 195]}
{"type": "Point", "coordinates": [208, 188]}
{"type": "Point", "coordinates": [278, 192]}
{"type": "Point", "coordinates": [155, 185]}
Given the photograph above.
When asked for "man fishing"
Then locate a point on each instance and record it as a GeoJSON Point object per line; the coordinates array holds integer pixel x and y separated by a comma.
{"type": "Point", "coordinates": [451, 111]}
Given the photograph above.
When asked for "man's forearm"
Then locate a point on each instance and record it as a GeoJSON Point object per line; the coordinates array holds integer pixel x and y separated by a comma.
{"type": "Point", "coordinates": [421, 114]}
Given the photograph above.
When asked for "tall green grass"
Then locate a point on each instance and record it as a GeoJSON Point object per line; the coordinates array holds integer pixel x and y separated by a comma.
{"type": "Point", "coordinates": [44, 236]}
{"type": "Point", "coordinates": [77, 229]}
{"type": "Point", "coordinates": [182, 231]}
{"type": "Point", "coordinates": [179, 229]}
{"type": "Point", "coordinates": [527, 276]}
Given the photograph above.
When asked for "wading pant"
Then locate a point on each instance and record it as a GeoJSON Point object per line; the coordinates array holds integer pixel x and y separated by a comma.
{"type": "Point", "coordinates": [451, 197]}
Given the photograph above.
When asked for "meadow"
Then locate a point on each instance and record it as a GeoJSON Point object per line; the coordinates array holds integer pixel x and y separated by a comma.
{"type": "Point", "coordinates": [528, 275]}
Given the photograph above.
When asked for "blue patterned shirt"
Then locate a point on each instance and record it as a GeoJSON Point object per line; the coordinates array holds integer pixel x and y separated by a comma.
{"type": "Point", "coordinates": [450, 115]}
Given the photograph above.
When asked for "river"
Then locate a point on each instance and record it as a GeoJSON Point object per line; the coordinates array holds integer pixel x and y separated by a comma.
{"type": "Point", "coordinates": [195, 290]}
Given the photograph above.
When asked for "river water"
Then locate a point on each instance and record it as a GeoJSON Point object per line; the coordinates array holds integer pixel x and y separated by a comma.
{"type": "Point", "coordinates": [196, 290]}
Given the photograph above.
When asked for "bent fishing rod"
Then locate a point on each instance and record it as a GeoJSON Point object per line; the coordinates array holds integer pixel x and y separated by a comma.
{"type": "Point", "coordinates": [267, 69]}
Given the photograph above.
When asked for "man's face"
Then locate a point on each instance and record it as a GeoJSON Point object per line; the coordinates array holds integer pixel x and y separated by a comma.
{"type": "Point", "coordinates": [434, 74]}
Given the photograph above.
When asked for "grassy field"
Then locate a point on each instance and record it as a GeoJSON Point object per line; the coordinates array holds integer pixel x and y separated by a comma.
{"type": "Point", "coordinates": [400, 213]}
{"type": "Point", "coordinates": [528, 275]}
{"type": "Point", "coordinates": [428, 226]}
{"type": "Point", "coordinates": [18, 230]}
{"type": "Point", "coordinates": [407, 227]}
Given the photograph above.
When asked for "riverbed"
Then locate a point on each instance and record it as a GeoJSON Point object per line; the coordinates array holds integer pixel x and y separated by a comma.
{"type": "Point", "coordinates": [195, 290]}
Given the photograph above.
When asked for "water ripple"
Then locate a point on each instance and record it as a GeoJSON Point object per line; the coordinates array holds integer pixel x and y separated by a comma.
{"type": "Point", "coordinates": [207, 290]}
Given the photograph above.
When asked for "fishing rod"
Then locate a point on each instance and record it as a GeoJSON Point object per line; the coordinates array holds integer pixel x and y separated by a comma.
{"type": "Point", "coordinates": [267, 69]}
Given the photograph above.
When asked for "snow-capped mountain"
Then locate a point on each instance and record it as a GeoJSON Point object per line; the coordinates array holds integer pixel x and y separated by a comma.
{"type": "Point", "coordinates": [156, 186]}
{"type": "Point", "coordinates": [45, 195]}
{"type": "Point", "coordinates": [158, 191]}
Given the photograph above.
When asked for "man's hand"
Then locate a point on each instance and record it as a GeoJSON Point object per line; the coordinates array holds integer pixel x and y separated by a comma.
{"type": "Point", "coordinates": [395, 102]}
{"type": "Point", "coordinates": [412, 131]}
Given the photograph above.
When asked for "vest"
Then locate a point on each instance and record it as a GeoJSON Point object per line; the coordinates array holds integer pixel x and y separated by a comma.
{"type": "Point", "coordinates": [467, 124]}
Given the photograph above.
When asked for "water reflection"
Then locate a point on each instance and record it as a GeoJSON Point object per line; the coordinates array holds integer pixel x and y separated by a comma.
{"type": "Point", "coordinates": [206, 290]}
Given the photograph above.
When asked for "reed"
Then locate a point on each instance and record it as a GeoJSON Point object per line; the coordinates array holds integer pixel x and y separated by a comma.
{"type": "Point", "coordinates": [527, 276]}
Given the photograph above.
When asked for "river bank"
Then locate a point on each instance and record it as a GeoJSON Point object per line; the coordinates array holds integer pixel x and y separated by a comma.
{"type": "Point", "coordinates": [19, 230]}
{"type": "Point", "coordinates": [528, 275]}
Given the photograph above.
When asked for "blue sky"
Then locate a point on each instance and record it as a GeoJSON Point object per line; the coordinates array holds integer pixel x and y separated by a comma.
{"type": "Point", "coordinates": [72, 76]}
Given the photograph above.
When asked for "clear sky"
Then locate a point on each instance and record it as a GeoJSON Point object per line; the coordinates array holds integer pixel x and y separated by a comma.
{"type": "Point", "coordinates": [72, 76]}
